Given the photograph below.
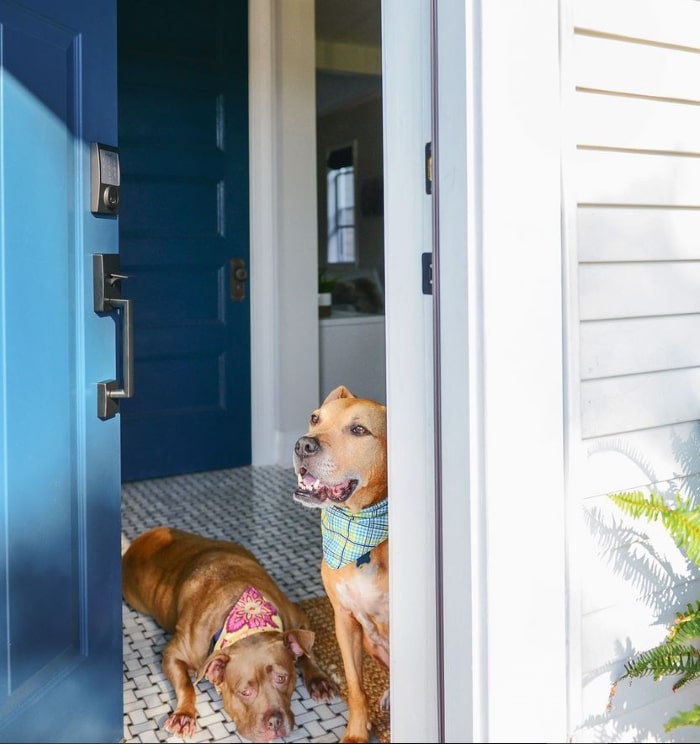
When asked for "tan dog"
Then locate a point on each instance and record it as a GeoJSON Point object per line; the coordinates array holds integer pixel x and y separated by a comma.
{"type": "Point", "coordinates": [230, 623]}
{"type": "Point", "coordinates": [341, 468]}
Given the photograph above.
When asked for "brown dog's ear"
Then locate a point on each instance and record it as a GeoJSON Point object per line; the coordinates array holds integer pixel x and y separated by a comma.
{"type": "Point", "coordinates": [214, 669]}
{"type": "Point", "coordinates": [299, 642]}
{"type": "Point", "coordinates": [340, 392]}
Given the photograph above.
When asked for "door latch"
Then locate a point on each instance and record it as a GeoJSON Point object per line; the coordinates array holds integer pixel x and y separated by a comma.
{"type": "Point", "coordinates": [428, 168]}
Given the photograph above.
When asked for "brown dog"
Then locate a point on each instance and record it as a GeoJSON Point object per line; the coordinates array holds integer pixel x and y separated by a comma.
{"type": "Point", "coordinates": [341, 468]}
{"type": "Point", "coordinates": [230, 623]}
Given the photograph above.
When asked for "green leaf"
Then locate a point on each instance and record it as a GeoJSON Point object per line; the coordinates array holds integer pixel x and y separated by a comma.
{"type": "Point", "coordinates": [664, 660]}
{"type": "Point", "coordinates": [684, 718]}
{"type": "Point", "coordinates": [681, 520]}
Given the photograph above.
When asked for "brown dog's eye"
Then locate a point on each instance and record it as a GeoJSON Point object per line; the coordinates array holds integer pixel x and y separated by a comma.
{"type": "Point", "coordinates": [281, 679]}
{"type": "Point", "coordinates": [360, 431]}
{"type": "Point", "coordinates": [314, 418]}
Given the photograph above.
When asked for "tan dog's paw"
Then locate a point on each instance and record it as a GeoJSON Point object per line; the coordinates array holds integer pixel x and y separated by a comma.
{"type": "Point", "coordinates": [358, 731]}
{"type": "Point", "coordinates": [355, 739]}
{"type": "Point", "coordinates": [181, 724]}
{"type": "Point", "coordinates": [323, 688]}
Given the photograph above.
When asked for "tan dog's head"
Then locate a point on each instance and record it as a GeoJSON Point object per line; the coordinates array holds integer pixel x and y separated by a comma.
{"type": "Point", "coordinates": [341, 460]}
{"type": "Point", "coordinates": [256, 677]}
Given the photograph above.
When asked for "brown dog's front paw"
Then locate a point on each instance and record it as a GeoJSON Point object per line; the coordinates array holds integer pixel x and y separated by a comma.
{"type": "Point", "coordinates": [323, 688]}
{"type": "Point", "coordinates": [181, 725]}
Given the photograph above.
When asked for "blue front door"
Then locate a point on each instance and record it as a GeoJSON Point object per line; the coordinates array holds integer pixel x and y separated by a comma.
{"type": "Point", "coordinates": [60, 593]}
{"type": "Point", "coordinates": [184, 236]}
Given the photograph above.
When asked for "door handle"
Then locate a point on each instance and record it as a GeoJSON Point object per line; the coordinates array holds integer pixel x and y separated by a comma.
{"type": "Point", "coordinates": [238, 276]}
{"type": "Point", "coordinates": [107, 278]}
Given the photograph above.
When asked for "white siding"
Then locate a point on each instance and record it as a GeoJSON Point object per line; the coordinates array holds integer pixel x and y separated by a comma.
{"type": "Point", "coordinates": [634, 181]}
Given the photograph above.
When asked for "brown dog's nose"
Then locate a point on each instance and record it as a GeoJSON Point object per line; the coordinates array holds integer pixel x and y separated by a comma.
{"type": "Point", "coordinates": [306, 446]}
{"type": "Point", "coordinates": [274, 720]}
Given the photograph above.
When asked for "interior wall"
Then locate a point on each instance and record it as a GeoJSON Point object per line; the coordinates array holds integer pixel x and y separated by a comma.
{"type": "Point", "coordinates": [283, 277]}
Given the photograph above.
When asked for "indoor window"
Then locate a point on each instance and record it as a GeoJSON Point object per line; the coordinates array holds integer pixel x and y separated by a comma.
{"type": "Point", "coordinates": [340, 183]}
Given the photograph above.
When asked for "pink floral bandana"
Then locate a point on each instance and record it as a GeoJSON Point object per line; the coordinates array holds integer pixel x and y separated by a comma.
{"type": "Point", "coordinates": [251, 614]}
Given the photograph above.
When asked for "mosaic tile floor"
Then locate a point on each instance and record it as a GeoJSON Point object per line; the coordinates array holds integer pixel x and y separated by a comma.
{"type": "Point", "coordinates": [252, 506]}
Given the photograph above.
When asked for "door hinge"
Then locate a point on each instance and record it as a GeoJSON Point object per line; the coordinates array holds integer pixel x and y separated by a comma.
{"type": "Point", "coordinates": [427, 263]}
{"type": "Point", "coordinates": [428, 168]}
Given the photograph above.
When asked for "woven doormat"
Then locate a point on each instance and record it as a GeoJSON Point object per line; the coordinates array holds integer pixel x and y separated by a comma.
{"type": "Point", "coordinates": [327, 653]}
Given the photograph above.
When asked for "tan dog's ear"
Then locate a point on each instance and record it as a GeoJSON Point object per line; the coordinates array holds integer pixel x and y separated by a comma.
{"type": "Point", "coordinates": [299, 642]}
{"type": "Point", "coordinates": [340, 392]}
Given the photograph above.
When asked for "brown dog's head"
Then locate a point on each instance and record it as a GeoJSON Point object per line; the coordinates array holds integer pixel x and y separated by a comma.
{"type": "Point", "coordinates": [341, 460]}
{"type": "Point", "coordinates": [255, 678]}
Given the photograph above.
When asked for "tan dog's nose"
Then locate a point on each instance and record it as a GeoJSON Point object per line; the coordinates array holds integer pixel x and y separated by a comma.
{"type": "Point", "coordinates": [306, 446]}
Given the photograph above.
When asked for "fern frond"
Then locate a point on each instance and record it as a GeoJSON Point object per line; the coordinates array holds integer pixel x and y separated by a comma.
{"type": "Point", "coordinates": [684, 718]}
{"type": "Point", "coordinates": [686, 626]}
{"type": "Point", "coordinates": [640, 504]}
{"type": "Point", "coordinates": [664, 660]}
{"type": "Point", "coordinates": [681, 520]}
{"type": "Point", "coordinates": [688, 677]}
{"type": "Point", "coordinates": [676, 655]}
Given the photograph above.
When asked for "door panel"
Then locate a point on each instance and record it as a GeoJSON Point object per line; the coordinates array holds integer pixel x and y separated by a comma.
{"type": "Point", "coordinates": [60, 604]}
{"type": "Point", "coordinates": [183, 134]}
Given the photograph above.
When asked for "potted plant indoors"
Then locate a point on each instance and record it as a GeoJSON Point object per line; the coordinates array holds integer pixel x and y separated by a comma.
{"type": "Point", "coordinates": [325, 293]}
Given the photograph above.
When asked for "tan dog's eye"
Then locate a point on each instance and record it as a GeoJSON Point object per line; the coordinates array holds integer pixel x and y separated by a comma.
{"type": "Point", "coordinates": [359, 430]}
{"type": "Point", "coordinates": [281, 679]}
{"type": "Point", "coordinates": [314, 418]}
{"type": "Point", "coordinates": [246, 693]}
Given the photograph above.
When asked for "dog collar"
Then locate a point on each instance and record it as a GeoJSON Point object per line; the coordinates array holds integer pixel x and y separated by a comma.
{"type": "Point", "coordinates": [349, 536]}
{"type": "Point", "coordinates": [252, 613]}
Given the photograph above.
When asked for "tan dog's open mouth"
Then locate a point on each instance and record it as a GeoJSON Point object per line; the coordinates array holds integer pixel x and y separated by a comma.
{"type": "Point", "coordinates": [312, 492]}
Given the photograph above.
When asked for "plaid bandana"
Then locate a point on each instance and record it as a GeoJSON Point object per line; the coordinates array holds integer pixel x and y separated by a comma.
{"type": "Point", "coordinates": [251, 614]}
{"type": "Point", "coordinates": [348, 537]}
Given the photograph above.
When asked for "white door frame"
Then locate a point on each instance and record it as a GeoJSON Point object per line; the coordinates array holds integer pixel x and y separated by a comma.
{"type": "Point", "coordinates": [502, 370]}
{"type": "Point", "coordinates": [409, 358]}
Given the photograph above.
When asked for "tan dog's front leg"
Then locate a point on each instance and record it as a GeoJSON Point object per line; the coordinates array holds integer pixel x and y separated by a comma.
{"type": "Point", "coordinates": [349, 634]}
{"type": "Point", "coordinates": [182, 721]}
